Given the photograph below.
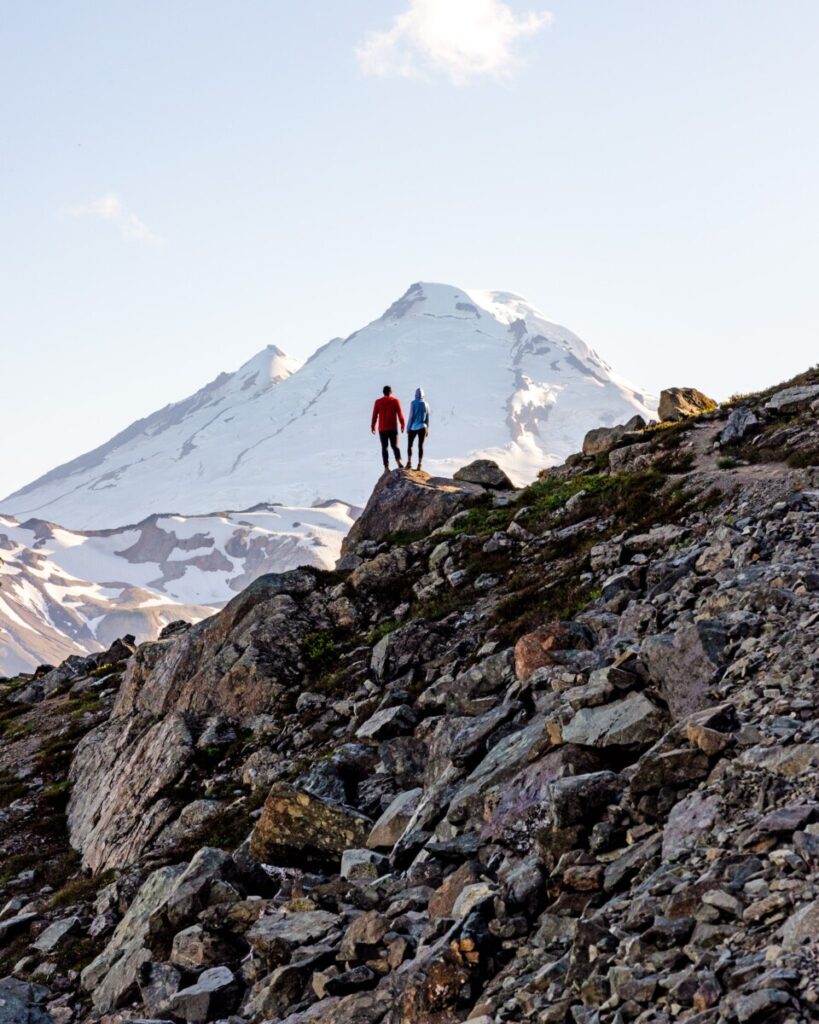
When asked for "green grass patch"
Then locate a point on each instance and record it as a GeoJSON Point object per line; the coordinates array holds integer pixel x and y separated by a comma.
{"type": "Point", "coordinates": [380, 631]}
{"type": "Point", "coordinates": [76, 890]}
{"type": "Point", "coordinates": [319, 652]}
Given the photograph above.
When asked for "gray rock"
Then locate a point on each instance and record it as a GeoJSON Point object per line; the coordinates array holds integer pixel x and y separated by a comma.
{"type": "Point", "coordinates": [790, 399]}
{"type": "Point", "coordinates": [766, 1001]}
{"type": "Point", "coordinates": [603, 439]}
{"type": "Point", "coordinates": [13, 925]}
{"type": "Point", "coordinates": [214, 995]}
{"type": "Point", "coordinates": [112, 976]}
{"type": "Point", "coordinates": [191, 890]}
{"type": "Point", "coordinates": [633, 721]}
{"type": "Point", "coordinates": [389, 828]}
{"type": "Point", "coordinates": [277, 992]}
{"type": "Point", "coordinates": [57, 934]}
{"type": "Point", "coordinates": [486, 473]}
{"type": "Point", "coordinates": [23, 1003]}
{"type": "Point", "coordinates": [801, 927]}
{"type": "Point", "coordinates": [193, 818]}
{"type": "Point", "coordinates": [274, 938]}
{"type": "Point", "coordinates": [689, 823]}
{"type": "Point", "coordinates": [685, 665]}
{"type": "Point", "coordinates": [389, 722]}
{"type": "Point", "coordinates": [157, 984]}
{"type": "Point", "coordinates": [739, 423]}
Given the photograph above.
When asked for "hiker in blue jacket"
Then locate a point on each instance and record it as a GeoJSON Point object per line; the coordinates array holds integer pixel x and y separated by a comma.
{"type": "Point", "coordinates": [417, 426]}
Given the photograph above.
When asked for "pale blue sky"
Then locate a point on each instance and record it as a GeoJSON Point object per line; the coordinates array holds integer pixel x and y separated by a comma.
{"type": "Point", "coordinates": [185, 181]}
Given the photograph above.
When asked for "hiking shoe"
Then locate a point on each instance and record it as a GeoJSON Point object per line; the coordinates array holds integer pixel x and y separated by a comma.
{"type": "Point", "coordinates": [418, 467]}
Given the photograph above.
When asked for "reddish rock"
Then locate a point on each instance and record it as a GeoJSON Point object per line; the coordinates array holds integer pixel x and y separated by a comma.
{"type": "Point", "coordinates": [537, 649]}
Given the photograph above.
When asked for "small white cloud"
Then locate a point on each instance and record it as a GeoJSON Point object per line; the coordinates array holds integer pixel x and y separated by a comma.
{"type": "Point", "coordinates": [461, 38]}
{"type": "Point", "coordinates": [111, 208]}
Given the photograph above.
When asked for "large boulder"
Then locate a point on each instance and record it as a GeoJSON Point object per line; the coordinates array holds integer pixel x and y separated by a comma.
{"type": "Point", "coordinates": [685, 664]}
{"type": "Point", "coordinates": [486, 473]}
{"type": "Point", "coordinates": [603, 439]}
{"type": "Point", "coordinates": [409, 503]}
{"type": "Point", "coordinates": [121, 773]}
{"type": "Point", "coordinates": [298, 828]}
{"type": "Point", "coordinates": [680, 403]}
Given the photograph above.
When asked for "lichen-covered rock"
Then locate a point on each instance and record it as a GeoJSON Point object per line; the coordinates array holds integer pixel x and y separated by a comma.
{"type": "Point", "coordinates": [298, 828]}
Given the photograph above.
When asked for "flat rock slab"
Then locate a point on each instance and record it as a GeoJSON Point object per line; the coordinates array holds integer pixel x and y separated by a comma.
{"type": "Point", "coordinates": [629, 722]}
{"type": "Point", "coordinates": [275, 937]}
{"type": "Point", "coordinates": [56, 934]}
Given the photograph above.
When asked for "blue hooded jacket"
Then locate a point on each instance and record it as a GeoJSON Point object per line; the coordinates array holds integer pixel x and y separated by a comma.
{"type": "Point", "coordinates": [419, 412]}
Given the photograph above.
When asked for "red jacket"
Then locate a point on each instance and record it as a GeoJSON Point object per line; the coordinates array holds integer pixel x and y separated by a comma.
{"type": "Point", "coordinates": [387, 411]}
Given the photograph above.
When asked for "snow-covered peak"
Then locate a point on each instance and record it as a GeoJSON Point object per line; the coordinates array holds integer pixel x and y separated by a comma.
{"type": "Point", "coordinates": [268, 367]}
{"type": "Point", "coordinates": [503, 382]}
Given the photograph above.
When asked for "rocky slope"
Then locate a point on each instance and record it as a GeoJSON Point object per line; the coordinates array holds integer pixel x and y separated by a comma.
{"type": "Point", "coordinates": [542, 755]}
{"type": "Point", "coordinates": [72, 592]}
{"type": "Point", "coordinates": [503, 382]}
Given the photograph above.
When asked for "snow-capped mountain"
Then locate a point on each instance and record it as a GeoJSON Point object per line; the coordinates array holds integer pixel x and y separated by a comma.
{"type": "Point", "coordinates": [502, 382]}
{"type": "Point", "coordinates": [68, 592]}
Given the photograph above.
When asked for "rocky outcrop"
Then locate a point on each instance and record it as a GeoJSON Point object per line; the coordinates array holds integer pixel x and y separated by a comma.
{"type": "Point", "coordinates": [680, 403]}
{"type": "Point", "coordinates": [408, 503]}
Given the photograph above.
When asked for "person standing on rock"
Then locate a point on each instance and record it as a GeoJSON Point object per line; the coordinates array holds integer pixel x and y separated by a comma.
{"type": "Point", "coordinates": [417, 426]}
{"type": "Point", "coordinates": [387, 413]}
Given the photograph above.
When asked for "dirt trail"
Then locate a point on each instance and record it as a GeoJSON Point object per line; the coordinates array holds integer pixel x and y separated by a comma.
{"type": "Point", "coordinates": [771, 477]}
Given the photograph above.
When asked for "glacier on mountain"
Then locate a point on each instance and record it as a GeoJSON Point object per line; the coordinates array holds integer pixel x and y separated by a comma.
{"type": "Point", "coordinates": [503, 383]}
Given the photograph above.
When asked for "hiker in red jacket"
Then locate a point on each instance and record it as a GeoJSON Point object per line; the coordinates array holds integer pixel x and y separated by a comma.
{"type": "Point", "coordinates": [387, 413]}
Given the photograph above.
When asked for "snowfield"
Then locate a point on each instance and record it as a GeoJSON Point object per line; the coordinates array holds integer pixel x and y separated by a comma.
{"type": "Point", "coordinates": [66, 592]}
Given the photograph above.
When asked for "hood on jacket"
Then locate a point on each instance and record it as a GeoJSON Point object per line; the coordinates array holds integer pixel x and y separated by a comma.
{"type": "Point", "coordinates": [419, 394]}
